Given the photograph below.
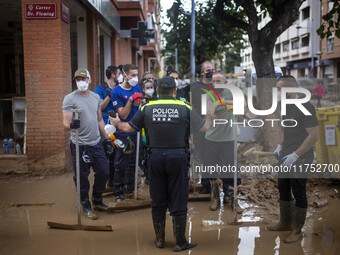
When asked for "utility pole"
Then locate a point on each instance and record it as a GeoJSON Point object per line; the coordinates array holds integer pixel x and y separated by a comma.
{"type": "Point", "coordinates": [192, 44]}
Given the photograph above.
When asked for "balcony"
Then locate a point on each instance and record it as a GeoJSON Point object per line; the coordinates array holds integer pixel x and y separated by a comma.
{"type": "Point", "coordinates": [131, 8]}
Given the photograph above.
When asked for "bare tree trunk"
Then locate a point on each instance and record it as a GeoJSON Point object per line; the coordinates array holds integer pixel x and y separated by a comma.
{"type": "Point", "coordinates": [263, 60]}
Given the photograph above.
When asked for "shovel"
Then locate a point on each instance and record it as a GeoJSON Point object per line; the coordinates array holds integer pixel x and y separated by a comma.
{"type": "Point", "coordinates": [78, 226]}
{"type": "Point", "coordinates": [235, 222]}
{"type": "Point", "coordinates": [137, 160]}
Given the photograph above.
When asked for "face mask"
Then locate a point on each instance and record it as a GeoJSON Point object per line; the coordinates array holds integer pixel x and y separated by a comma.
{"type": "Point", "coordinates": [82, 85]}
{"type": "Point", "coordinates": [133, 82]}
{"type": "Point", "coordinates": [149, 92]}
{"type": "Point", "coordinates": [219, 91]}
{"type": "Point", "coordinates": [177, 82]}
{"type": "Point", "coordinates": [120, 79]}
{"type": "Point", "coordinates": [209, 75]}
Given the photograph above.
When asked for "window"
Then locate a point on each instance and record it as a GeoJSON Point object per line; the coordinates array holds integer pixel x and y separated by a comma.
{"type": "Point", "coordinates": [277, 48]}
{"type": "Point", "coordinates": [285, 46]}
{"type": "Point", "coordinates": [295, 43]}
{"type": "Point", "coordinates": [305, 13]}
{"type": "Point", "coordinates": [330, 7]}
{"type": "Point", "coordinates": [305, 41]}
{"type": "Point", "coordinates": [330, 43]}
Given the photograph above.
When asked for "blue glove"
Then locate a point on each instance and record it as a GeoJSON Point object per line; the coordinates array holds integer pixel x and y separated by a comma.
{"type": "Point", "coordinates": [290, 159]}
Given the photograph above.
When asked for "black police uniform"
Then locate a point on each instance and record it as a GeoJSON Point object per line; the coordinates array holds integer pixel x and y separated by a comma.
{"type": "Point", "coordinates": [167, 127]}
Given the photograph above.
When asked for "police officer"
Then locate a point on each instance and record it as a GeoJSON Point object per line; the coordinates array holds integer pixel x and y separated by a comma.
{"type": "Point", "coordinates": [167, 124]}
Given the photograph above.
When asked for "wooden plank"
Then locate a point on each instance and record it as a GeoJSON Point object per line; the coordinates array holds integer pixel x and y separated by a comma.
{"type": "Point", "coordinates": [78, 227]}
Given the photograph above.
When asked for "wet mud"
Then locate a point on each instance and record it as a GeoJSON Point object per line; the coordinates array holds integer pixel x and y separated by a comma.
{"type": "Point", "coordinates": [23, 230]}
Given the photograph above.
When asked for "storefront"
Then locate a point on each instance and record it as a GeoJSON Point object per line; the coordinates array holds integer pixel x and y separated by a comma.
{"type": "Point", "coordinates": [42, 43]}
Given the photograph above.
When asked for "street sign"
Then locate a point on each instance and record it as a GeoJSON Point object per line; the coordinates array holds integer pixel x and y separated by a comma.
{"type": "Point", "coordinates": [65, 13]}
{"type": "Point", "coordinates": [40, 11]}
{"type": "Point", "coordinates": [142, 33]}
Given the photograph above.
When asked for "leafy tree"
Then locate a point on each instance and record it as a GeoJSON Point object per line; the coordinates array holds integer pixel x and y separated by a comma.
{"type": "Point", "coordinates": [244, 14]}
{"type": "Point", "coordinates": [331, 21]}
{"type": "Point", "coordinates": [212, 42]}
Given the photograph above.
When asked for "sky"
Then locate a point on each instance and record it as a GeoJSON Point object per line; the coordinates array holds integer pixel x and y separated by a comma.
{"type": "Point", "coordinates": [166, 4]}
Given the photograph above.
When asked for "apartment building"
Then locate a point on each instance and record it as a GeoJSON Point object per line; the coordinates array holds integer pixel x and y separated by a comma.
{"type": "Point", "coordinates": [295, 47]}
{"type": "Point", "coordinates": [330, 49]}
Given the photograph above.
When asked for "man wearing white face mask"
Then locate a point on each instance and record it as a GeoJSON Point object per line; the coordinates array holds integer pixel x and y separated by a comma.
{"type": "Point", "coordinates": [92, 148]}
{"type": "Point", "coordinates": [126, 98]}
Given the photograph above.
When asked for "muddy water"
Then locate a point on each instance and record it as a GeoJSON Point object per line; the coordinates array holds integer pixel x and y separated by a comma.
{"type": "Point", "coordinates": [23, 230]}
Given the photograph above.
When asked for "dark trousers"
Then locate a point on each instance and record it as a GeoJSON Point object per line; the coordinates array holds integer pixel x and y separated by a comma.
{"type": "Point", "coordinates": [168, 173]}
{"type": "Point", "coordinates": [111, 159]}
{"type": "Point", "coordinates": [125, 167]}
{"type": "Point", "coordinates": [319, 101]}
{"type": "Point", "coordinates": [99, 165]}
{"type": "Point", "coordinates": [298, 187]}
{"type": "Point", "coordinates": [199, 141]}
{"type": "Point", "coordinates": [221, 153]}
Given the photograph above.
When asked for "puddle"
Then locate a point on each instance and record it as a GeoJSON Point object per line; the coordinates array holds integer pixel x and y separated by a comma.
{"type": "Point", "coordinates": [23, 230]}
{"type": "Point", "coordinates": [247, 237]}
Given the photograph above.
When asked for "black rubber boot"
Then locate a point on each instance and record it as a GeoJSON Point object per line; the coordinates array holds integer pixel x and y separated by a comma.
{"type": "Point", "coordinates": [159, 226]}
{"type": "Point", "coordinates": [86, 205]}
{"type": "Point", "coordinates": [285, 217]}
{"type": "Point", "coordinates": [179, 225]}
{"type": "Point", "coordinates": [298, 220]}
{"type": "Point", "coordinates": [97, 201]}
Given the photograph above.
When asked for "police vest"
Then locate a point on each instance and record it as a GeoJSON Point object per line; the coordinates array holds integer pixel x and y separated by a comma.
{"type": "Point", "coordinates": [167, 123]}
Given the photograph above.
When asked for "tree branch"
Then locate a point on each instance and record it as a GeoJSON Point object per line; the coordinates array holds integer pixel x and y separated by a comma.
{"type": "Point", "coordinates": [283, 17]}
{"type": "Point", "coordinates": [228, 19]}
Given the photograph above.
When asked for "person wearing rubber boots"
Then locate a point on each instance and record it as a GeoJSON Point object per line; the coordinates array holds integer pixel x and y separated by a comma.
{"type": "Point", "coordinates": [167, 124]}
{"type": "Point", "coordinates": [126, 98]}
{"type": "Point", "coordinates": [296, 148]}
{"type": "Point", "coordinates": [204, 72]}
{"type": "Point", "coordinates": [219, 143]}
{"type": "Point", "coordinates": [92, 148]}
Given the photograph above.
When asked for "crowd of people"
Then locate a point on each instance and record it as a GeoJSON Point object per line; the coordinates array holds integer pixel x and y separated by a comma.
{"type": "Point", "coordinates": [165, 114]}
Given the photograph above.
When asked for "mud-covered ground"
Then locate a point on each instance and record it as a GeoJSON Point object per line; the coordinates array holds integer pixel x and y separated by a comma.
{"type": "Point", "coordinates": [23, 230]}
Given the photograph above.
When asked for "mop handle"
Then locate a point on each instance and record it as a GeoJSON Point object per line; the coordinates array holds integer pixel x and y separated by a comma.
{"type": "Point", "coordinates": [137, 159]}
{"type": "Point", "coordinates": [76, 116]}
{"type": "Point", "coordinates": [235, 173]}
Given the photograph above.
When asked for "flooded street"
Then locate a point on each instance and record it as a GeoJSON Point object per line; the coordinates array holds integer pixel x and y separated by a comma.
{"type": "Point", "coordinates": [23, 230]}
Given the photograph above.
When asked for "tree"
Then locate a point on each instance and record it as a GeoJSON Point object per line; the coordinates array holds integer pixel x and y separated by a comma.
{"type": "Point", "coordinates": [331, 21]}
{"type": "Point", "coordinates": [244, 14]}
{"type": "Point", "coordinates": [211, 40]}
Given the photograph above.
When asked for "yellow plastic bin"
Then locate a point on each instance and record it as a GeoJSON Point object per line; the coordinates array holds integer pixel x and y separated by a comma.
{"type": "Point", "coordinates": [332, 135]}
{"type": "Point", "coordinates": [320, 147]}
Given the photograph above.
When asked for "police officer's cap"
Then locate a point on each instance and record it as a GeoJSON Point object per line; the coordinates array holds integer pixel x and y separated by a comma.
{"type": "Point", "coordinates": [167, 82]}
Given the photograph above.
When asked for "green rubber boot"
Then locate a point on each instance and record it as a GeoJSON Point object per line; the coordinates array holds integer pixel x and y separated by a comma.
{"type": "Point", "coordinates": [285, 217]}
{"type": "Point", "coordinates": [299, 217]}
{"type": "Point", "coordinates": [215, 195]}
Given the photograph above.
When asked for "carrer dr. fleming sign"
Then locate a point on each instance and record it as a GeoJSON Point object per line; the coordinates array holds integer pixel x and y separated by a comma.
{"type": "Point", "coordinates": [41, 11]}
